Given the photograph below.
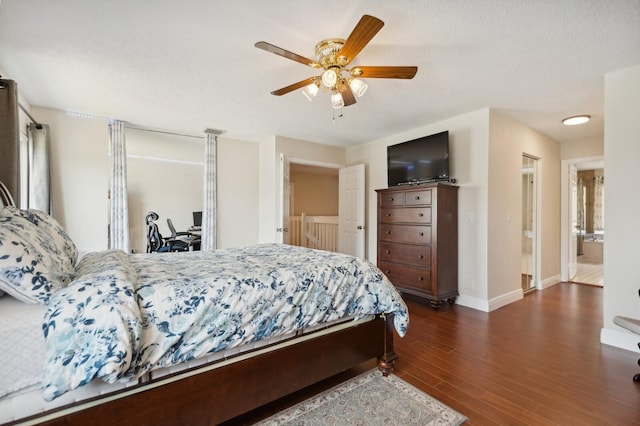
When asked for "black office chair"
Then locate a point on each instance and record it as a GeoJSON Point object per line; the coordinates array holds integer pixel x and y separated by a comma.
{"type": "Point", "coordinates": [192, 239]}
{"type": "Point", "coordinates": [155, 241]}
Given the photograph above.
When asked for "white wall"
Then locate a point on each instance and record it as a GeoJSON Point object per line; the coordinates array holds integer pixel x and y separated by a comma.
{"type": "Point", "coordinates": [621, 151]}
{"type": "Point", "coordinates": [164, 175]}
{"type": "Point", "coordinates": [80, 182]}
{"type": "Point", "coordinates": [80, 175]}
{"type": "Point", "coordinates": [270, 179]}
{"type": "Point", "coordinates": [485, 153]}
{"type": "Point", "coordinates": [238, 188]}
{"type": "Point", "coordinates": [469, 136]}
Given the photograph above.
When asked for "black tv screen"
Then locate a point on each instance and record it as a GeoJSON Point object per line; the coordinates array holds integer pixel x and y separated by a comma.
{"type": "Point", "coordinates": [425, 159]}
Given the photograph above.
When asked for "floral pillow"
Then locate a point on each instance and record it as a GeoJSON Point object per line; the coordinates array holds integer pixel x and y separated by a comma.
{"type": "Point", "coordinates": [36, 255]}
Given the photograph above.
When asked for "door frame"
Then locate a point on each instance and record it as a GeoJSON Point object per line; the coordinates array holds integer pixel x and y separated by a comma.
{"type": "Point", "coordinates": [565, 216]}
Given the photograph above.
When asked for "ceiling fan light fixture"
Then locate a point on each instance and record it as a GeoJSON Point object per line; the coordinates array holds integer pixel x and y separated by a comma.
{"type": "Point", "coordinates": [336, 100]}
{"type": "Point", "coordinates": [329, 78]}
{"type": "Point", "coordinates": [576, 119]}
{"type": "Point", "coordinates": [310, 91]}
{"type": "Point", "coordinates": [358, 86]}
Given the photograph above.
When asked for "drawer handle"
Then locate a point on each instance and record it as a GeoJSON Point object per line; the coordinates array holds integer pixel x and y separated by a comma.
{"type": "Point", "coordinates": [388, 214]}
{"type": "Point", "coordinates": [420, 256]}
{"type": "Point", "coordinates": [421, 234]}
{"type": "Point", "coordinates": [391, 199]}
{"type": "Point", "coordinates": [420, 278]}
{"type": "Point", "coordinates": [417, 197]}
{"type": "Point", "coordinates": [388, 252]}
{"type": "Point", "coordinates": [388, 231]}
{"type": "Point", "coordinates": [387, 271]}
{"type": "Point", "coordinates": [420, 214]}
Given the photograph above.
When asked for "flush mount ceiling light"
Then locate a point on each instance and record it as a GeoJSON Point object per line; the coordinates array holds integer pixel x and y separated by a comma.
{"type": "Point", "coordinates": [332, 57]}
{"type": "Point", "coordinates": [576, 119]}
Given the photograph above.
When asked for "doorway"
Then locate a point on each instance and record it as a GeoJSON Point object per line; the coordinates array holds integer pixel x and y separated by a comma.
{"type": "Point", "coordinates": [590, 225]}
{"type": "Point", "coordinates": [582, 242]}
{"type": "Point", "coordinates": [529, 222]}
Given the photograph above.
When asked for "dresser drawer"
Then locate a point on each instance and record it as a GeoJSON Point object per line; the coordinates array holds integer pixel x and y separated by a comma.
{"type": "Point", "coordinates": [391, 199]}
{"type": "Point", "coordinates": [408, 234]}
{"type": "Point", "coordinates": [403, 253]}
{"type": "Point", "coordinates": [406, 214]}
{"type": "Point", "coordinates": [403, 276]}
{"type": "Point", "coordinates": [414, 198]}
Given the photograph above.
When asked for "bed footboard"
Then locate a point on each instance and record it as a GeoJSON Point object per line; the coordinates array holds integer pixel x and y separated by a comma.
{"type": "Point", "coordinates": [222, 393]}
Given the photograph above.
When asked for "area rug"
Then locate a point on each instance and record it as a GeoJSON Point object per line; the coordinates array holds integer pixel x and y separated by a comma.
{"type": "Point", "coordinates": [369, 399]}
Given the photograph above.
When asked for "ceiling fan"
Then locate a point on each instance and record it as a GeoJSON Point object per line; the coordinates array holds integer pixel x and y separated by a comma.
{"type": "Point", "coordinates": [333, 56]}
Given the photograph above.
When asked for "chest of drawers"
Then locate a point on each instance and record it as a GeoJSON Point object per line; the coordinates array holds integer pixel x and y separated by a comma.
{"type": "Point", "coordinates": [418, 240]}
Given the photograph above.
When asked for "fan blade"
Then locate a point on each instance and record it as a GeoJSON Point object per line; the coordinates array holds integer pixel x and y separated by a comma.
{"type": "Point", "coordinates": [384, 72]}
{"type": "Point", "coordinates": [286, 54]}
{"type": "Point", "coordinates": [358, 39]}
{"type": "Point", "coordinates": [347, 95]}
{"type": "Point", "coordinates": [293, 86]}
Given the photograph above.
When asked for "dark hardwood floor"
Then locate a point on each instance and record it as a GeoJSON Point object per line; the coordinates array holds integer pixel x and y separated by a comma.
{"type": "Point", "coordinates": [537, 361]}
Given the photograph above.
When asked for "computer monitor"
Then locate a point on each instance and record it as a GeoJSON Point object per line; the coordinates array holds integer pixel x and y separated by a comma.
{"type": "Point", "coordinates": [197, 218]}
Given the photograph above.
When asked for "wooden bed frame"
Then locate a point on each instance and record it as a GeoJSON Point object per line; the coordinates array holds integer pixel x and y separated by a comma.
{"type": "Point", "coordinates": [220, 394]}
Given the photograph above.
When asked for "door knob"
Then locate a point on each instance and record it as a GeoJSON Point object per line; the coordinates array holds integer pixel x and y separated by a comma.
{"type": "Point", "coordinates": [359, 227]}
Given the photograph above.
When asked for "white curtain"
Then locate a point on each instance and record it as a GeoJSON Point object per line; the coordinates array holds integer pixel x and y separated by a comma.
{"type": "Point", "coordinates": [209, 194]}
{"type": "Point", "coordinates": [118, 209]}
{"type": "Point", "coordinates": [37, 176]}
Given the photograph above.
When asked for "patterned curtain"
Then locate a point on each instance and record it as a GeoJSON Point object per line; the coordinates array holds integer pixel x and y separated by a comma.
{"type": "Point", "coordinates": [598, 203]}
{"type": "Point", "coordinates": [118, 209]}
{"type": "Point", "coordinates": [209, 235]}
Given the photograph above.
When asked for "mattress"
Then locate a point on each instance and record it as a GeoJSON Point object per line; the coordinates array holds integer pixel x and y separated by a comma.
{"type": "Point", "coordinates": [22, 358]}
{"type": "Point", "coordinates": [22, 353]}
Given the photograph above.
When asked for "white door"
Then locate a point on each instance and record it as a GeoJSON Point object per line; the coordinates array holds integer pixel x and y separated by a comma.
{"type": "Point", "coordinates": [351, 208]}
{"type": "Point", "coordinates": [282, 233]}
{"type": "Point", "coordinates": [573, 218]}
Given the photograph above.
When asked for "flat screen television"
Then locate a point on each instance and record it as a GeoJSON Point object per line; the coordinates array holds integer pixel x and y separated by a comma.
{"type": "Point", "coordinates": [425, 159]}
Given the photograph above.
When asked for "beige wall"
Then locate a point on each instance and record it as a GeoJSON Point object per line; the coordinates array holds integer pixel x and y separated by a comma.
{"type": "Point", "coordinates": [314, 194]}
{"type": "Point", "coordinates": [621, 151]}
{"type": "Point", "coordinates": [582, 148]}
{"type": "Point", "coordinates": [508, 141]}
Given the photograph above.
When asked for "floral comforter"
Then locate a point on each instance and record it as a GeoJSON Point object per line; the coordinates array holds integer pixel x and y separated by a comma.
{"type": "Point", "coordinates": [124, 315]}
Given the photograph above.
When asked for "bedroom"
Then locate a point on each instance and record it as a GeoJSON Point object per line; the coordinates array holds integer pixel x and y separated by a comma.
{"type": "Point", "coordinates": [482, 149]}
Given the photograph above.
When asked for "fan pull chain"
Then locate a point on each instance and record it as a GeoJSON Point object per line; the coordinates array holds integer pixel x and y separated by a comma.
{"type": "Point", "coordinates": [333, 113]}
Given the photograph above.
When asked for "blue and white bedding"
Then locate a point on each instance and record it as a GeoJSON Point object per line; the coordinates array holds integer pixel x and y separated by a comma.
{"type": "Point", "coordinates": [125, 315]}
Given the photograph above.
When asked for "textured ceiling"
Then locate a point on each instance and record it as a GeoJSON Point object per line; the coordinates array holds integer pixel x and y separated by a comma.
{"type": "Point", "coordinates": [189, 65]}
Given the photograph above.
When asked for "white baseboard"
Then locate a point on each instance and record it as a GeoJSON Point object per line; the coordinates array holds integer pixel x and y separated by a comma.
{"type": "Point", "coordinates": [620, 339]}
{"type": "Point", "coordinates": [505, 299]}
{"type": "Point", "coordinates": [489, 305]}
{"type": "Point", "coordinates": [473, 303]}
{"type": "Point", "coordinates": [548, 282]}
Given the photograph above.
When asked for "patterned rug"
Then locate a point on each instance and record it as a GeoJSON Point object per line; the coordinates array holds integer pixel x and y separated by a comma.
{"type": "Point", "coordinates": [369, 399]}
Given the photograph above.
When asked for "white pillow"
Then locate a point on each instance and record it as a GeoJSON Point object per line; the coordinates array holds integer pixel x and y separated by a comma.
{"type": "Point", "coordinates": [36, 255]}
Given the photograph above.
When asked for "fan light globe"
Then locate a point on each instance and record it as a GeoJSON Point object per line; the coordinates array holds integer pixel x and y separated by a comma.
{"type": "Point", "coordinates": [358, 86]}
{"type": "Point", "coordinates": [310, 91]}
{"type": "Point", "coordinates": [329, 78]}
{"type": "Point", "coordinates": [336, 100]}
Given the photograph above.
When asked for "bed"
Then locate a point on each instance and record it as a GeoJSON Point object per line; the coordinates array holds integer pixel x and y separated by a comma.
{"type": "Point", "coordinates": [194, 337]}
